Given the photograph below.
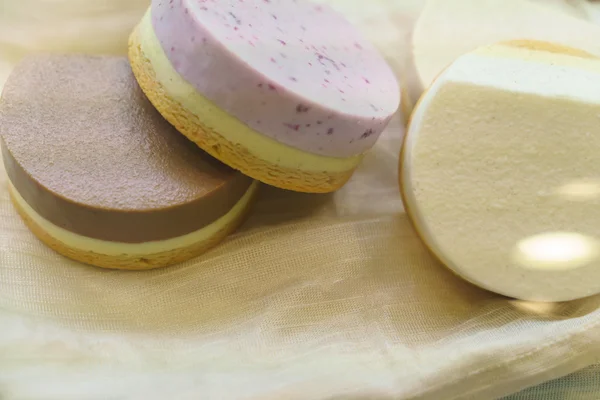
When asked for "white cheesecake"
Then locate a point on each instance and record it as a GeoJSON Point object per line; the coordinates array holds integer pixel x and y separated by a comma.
{"type": "Point", "coordinates": [446, 30]}
{"type": "Point", "coordinates": [500, 170]}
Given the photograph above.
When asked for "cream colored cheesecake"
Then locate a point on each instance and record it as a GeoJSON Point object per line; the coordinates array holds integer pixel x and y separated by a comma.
{"type": "Point", "coordinates": [500, 170]}
{"type": "Point", "coordinates": [444, 32]}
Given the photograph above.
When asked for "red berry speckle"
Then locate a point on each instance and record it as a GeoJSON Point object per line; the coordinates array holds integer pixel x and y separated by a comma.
{"type": "Point", "coordinates": [367, 133]}
{"type": "Point", "coordinates": [294, 127]}
{"type": "Point", "coordinates": [235, 18]}
{"type": "Point", "coordinates": [301, 108]}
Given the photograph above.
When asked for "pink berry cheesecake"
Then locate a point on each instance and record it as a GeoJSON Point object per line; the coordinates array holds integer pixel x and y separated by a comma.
{"type": "Point", "coordinates": [286, 91]}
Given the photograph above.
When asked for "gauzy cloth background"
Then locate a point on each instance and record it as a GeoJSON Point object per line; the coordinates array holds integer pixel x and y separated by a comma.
{"type": "Point", "coordinates": [316, 297]}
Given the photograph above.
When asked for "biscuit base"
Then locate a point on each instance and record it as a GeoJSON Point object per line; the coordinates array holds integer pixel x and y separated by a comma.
{"type": "Point", "coordinates": [136, 262]}
{"type": "Point", "coordinates": [215, 144]}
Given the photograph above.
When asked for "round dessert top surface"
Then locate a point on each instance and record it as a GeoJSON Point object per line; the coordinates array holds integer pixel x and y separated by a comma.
{"type": "Point", "coordinates": [311, 51]}
{"type": "Point", "coordinates": [81, 128]}
{"type": "Point", "coordinates": [289, 69]}
{"type": "Point", "coordinates": [500, 170]}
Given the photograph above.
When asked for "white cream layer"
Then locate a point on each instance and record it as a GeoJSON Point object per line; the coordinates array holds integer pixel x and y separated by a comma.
{"type": "Point", "coordinates": [518, 70]}
{"type": "Point", "coordinates": [105, 247]}
{"type": "Point", "coordinates": [491, 149]}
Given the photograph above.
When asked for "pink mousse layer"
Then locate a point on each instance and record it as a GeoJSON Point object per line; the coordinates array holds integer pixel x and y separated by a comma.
{"type": "Point", "coordinates": [291, 70]}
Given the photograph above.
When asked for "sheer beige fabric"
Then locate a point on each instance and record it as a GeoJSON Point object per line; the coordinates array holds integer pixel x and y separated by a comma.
{"type": "Point", "coordinates": [317, 297]}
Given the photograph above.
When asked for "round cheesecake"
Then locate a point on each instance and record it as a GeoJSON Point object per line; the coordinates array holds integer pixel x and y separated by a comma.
{"type": "Point", "coordinates": [436, 42]}
{"type": "Point", "coordinates": [286, 91]}
{"type": "Point", "coordinates": [499, 170]}
{"type": "Point", "coordinates": [99, 176]}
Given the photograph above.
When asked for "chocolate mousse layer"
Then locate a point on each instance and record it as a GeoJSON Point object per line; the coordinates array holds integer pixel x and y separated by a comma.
{"type": "Point", "coordinates": [89, 153]}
